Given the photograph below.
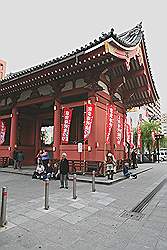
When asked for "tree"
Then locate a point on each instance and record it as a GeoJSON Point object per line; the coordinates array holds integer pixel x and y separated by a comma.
{"type": "Point", "coordinates": [147, 127]}
{"type": "Point", "coordinates": [163, 142]}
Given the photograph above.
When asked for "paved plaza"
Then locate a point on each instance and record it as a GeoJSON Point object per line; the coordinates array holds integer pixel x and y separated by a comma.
{"type": "Point", "coordinates": [92, 221]}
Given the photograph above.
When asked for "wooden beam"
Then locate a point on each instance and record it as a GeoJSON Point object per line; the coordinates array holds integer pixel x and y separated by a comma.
{"type": "Point", "coordinates": [126, 94]}
{"type": "Point", "coordinates": [114, 85]}
{"type": "Point", "coordinates": [35, 101]}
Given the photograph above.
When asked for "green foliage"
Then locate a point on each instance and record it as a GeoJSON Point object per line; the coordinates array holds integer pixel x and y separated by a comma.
{"type": "Point", "coordinates": [147, 127]}
{"type": "Point", "coordinates": [163, 142]}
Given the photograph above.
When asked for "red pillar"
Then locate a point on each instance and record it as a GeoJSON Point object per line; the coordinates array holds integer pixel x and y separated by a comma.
{"type": "Point", "coordinates": [56, 134]}
{"type": "Point", "coordinates": [13, 130]}
{"type": "Point", "coordinates": [37, 136]}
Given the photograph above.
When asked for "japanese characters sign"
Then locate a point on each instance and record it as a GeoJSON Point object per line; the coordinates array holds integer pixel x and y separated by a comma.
{"type": "Point", "coordinates": [90, 109]}
{"type": "Point", "coordinates": [119, 130]}
{"type": "Point", "coordinates": [125, 131]}
{"type": "Point", "coordinates": [67, 114]}
{"type": "Point", "coordinates": [109, 123]}
{"type": "Point", "coordinates": [2, 132]}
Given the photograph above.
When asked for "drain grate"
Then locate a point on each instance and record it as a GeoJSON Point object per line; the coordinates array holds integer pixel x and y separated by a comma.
{"type": "Point", "coordinates": [135, 213]}
{"type": "Point", "coordinates": [142, 204]}
{"type": "Point", "coordinates": [132, 215]}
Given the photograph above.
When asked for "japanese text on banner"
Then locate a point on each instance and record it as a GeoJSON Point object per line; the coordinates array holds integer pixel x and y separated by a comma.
{"type": "Point", "coordinates": [2, 132]}
{"type": "Point", "coordinates": [119, 130]}
{"type": "Point", "coordinates": [67, 114]}
{"type": "Point", "coordinates": [110, 121]}
{"type": "Point", "coordinates": [90, 108]}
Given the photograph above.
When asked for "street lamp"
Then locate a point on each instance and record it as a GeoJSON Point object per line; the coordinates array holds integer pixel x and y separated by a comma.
{"type": "Point", "coordinates": [157, 138]}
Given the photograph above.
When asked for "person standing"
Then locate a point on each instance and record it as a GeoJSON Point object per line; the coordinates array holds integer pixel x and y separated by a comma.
{"type": "Point", "coordinates": [15, 159]}
{"type": "Point", "coordinates": [110, 166]}
{"type": "Point", "coordinates": [134, 160]}
{"type": "Point", "coordinates": [20, 158]}
{"type": "Point", "coordinates": [45, 159]}
{"type": "Point", "coordinates": [64, 170]}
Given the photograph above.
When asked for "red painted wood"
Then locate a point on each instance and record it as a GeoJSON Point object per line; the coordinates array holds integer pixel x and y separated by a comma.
{"type": "Point", "coordinates": [13, 131]}
{"type": "Point", "coordinates": [57, 126]}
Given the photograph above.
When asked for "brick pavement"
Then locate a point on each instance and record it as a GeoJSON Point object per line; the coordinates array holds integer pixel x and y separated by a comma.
{"type": "Point", "coordinates": [92, 221]}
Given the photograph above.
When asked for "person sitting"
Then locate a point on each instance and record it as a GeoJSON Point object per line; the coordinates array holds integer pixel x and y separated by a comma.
{"type": "Point", "coordinates": [39, 172]}
{"type": "Point", "coordinates": [128, 174]}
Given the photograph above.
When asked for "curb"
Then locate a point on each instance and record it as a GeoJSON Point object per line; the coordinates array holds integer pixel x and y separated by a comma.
{"type": "Point", "coordinates": [85, 180]}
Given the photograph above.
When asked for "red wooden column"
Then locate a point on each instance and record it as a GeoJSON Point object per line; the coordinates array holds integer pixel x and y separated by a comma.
{"type": "Point", "coordinates": [13, 130]}
{"type": "Point", "coordinates": [56, 134]}
{"type": "Point", "coordinates": [37, 136]}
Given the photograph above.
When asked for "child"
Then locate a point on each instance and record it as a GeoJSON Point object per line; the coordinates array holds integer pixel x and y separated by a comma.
{"type": "Point", "coordinates": [39, 172]}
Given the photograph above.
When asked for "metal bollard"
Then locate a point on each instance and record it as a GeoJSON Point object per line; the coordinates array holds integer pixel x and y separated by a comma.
{"type": "Point", "coordinates": [74, 186]}
{"type": "Point", "coordinates": [93, 182]}
{"type": "Point", "coordinates": [3, 220]}
{"type": "Point", "coordinates": [46, 194]}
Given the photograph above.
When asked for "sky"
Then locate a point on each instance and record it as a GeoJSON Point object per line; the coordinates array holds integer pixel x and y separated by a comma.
{"type": "Point", "coordinates": [34, 31]}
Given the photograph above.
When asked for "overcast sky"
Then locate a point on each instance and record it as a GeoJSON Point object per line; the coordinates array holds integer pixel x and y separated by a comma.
{"type": "Point", "coordinates": [33, 31]}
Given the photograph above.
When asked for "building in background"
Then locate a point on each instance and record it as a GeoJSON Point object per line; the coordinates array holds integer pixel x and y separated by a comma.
{"type": "Point", "coordinates": [145, 113]}
{"type": "Point", "coordinates": [164, 124]}
{"type": "Point", "coordinates": [2, 69]}
{"type": "Point", "coordinates": [154, 111]}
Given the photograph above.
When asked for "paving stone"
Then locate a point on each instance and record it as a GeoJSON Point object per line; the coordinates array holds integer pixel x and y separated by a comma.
{"type": "Point", "coordinates": [161, 245]}
{"type": "Point", "coordinates": [105, 201]}
{"type": "Point", "coordinates": [58, 213]}
{"type": "Point", "coordinates": [135, 246]}
{"type": "Point", "coordinates": [33, 214]}
{"type": "Point", "coordinates": [19, 219]}
{"type": "Point", "coordinates": [77, 205]}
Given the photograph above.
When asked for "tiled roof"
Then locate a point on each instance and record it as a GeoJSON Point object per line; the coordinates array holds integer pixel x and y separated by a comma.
{"type": "Point", "coordinates": [127, 39]}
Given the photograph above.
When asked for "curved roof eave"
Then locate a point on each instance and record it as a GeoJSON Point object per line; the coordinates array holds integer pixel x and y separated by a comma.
{"type": "Point", "coordinates": [127, 40]}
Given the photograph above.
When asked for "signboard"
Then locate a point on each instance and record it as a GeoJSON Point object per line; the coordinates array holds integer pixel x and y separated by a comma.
{"type": "Point", "coordinates": [90, 109]}
{"type": "Point", "coordinates": [80, 147]}
{"type": "Point", "coordinates": [67, 114]}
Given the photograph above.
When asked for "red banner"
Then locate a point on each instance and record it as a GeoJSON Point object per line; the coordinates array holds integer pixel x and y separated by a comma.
{"type": "Point", "coordinates": [125, 132]}
{"type": "Point", "coordinates": [119, 130]}
{"type": "Point", "coordinates": [131, 129]}
{"type": "Point", "coordinates": [110, 121]}
{"type": "Point", "coordinates": [90, 110]}
{"type": "Point", "coordinates": [67, 114]}
{"type": "Point", "coordinates": [139, 141]}
{"type": "Point", "coordinates": [2, 132]}
{"type": "Point", "coordinates": [128, 133]}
